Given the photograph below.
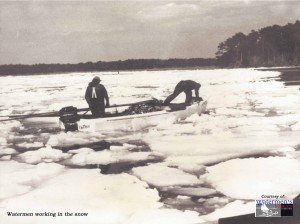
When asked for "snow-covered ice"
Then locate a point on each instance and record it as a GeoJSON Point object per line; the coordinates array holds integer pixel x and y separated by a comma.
{"type": "Point", "coordinates": [31, 145]}
{"type": "Point", "coordinates": [160, 175]}
{"type": "Point", "coordinates": [253, 177]}
{"type": "Point", "coordinates": [106, 198]}
{"type": "Point", "coordinates": [7, 151]}
{"type": "Point", "coordinates": [86, 156]}
{"type": "Point", "coordinates": [19, 178]}
{"type": "Point", "coordinates": [235, 208]}
{"type": "Point", "coordinates": [189, 191]}
{"type": "Point", "coordinates": [46, 154]}
{"type": "Point", "coordinates": [249, 135]}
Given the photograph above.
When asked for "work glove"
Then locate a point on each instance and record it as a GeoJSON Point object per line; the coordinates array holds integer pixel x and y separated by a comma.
{"type": "Point", "coordinates": [199, 99]}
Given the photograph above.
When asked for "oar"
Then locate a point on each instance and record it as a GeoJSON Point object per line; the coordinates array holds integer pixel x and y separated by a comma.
{"type": "Point", "coordinates": [36, 114]}
{"type": "Point", "coordinates": [19, 118]}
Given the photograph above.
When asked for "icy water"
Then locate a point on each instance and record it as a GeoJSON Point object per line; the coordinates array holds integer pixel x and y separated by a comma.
{"type": "Point", "coordinates": [192, 171]}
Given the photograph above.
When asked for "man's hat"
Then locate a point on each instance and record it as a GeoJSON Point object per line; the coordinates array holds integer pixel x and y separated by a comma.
{"type": "Point", "coordinates": [96, 78]}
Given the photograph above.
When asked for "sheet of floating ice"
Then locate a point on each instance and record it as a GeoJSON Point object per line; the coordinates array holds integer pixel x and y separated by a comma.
{"type": "Point", "coordinates": [3, 141]}
{"type": "Point", "coordinates": [290, 103]}
{"type": "Point", "coordinates": [31, 145]}
{"type": "Point", "coordinates": [275, 175]}
{"type": "Point", "coordinates": [232, 209]}
{"type": "Point", "coordinates": [27, 136]}
{"type": "Point", "coordinates": [139, 156]}
{"type": "Point", "coordinates": [81, 150]}
{"type": "Point", "coordinates": [188, 167]}
{"type": "Point", "coordinates": [296, 127]}
{"type": "Point", "coordinates": [161, 176]}
{"type": "Point", "coordinates": [73, 138]}
{"type": "Point", "coordinates": [202, 145]}
{"type": "Point", "coordinates": [189, 191]}
{"type": "Point", "coordinates": [84, 158]}
{"type": "Point", "coordinates": [215, 202]}
{"type": "Point", "coordinates": [19, 178]}
{"type": "Point", "coordinates": [218, 145]}
{"type": "Point", "coordinates": [236, 112]}
{"type": "Point", "coordinates": [87, 156]}
{"type": "Point", "coordinates": [6, 126]}
{"type": "Point", "coordinates": [106, 198]}
{"type": "Point", "coordinates": [284, 151]}
{"type": "Point", "coordinates": [7, 151]}
{"type": "Point", "coordinates": [195, 162]}
{"type": "Point", "coordinates": [46, 154]}
{"type": "Point", "coordinates": [123, 147]}
{"type": "Point", "coordinates": [5, 158]}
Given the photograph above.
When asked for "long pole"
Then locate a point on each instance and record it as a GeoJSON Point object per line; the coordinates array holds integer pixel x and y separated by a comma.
{"type": "Point", "coordinates": [56, 113]}
{"type": "Point", "coordinates": [120, 105]}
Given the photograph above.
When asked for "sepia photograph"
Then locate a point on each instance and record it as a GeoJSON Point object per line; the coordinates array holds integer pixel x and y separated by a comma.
{"type": "Point", "coordinates": [150, 112]}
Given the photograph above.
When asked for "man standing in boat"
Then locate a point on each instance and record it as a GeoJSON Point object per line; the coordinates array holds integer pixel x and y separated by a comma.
{"type": "Point", "coordinates": [95, 95]}
{"type": "Point", "coordinates": [185, 86]}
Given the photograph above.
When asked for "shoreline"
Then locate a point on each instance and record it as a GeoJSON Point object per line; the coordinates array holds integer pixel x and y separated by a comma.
{"type": "Point", "coordinates": [290, 76]}
{"type": "Point", "coordinates": [286, 71]}
{"type": "Point", "coordinates": [120, 71]}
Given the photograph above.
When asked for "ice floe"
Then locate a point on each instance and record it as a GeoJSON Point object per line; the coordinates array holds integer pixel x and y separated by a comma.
{"type": "Point", "coordinates": [106, 199]}
{"type": "Point", "coordinates": [7, 151]}
{"type": "Point", "coordinates": [3, 141]}
{"type": "Point", "coordinates": [190, 191]}
{"type": "Point", "coordinates": [161, 176]}
{"type": "Point", "coordinates": [5, 158]}
{"type": "Point", "coordinates": [30, 145]}
{"type": "Point", "coordinates": [284, 151]}
{"type": "Point", "coordinates": [73, 138]}
{"type": "Point", "coordinates": [46, 154]}
{"type": "Point", "coordinates": [19, 178]}
{"type": "Point", "coordinates": [235, 208]}
{"type": "Point", "coordinates": [86, 156]}
{"type": "Point", "coordinates": [215, 202]}
{"type": "Point", "coordinates": [251, 178]}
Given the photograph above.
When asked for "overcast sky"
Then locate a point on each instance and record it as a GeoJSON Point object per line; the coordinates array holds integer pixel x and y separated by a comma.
{"type": "Point", "coordinates": [71, 32]}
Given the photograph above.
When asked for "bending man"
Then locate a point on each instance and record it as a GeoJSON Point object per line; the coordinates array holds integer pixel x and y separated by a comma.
{"type": "Point", "coordinates": [185, 86]}
{"type": "Point", "coordinates": [95, 95]}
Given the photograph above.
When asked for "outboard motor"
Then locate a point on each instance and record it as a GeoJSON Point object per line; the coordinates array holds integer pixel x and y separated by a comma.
{"type": "Point", "coordinates": [69, 117]}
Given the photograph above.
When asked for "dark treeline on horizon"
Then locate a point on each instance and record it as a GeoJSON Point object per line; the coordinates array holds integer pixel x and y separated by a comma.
{"type": "Point", "coordinates": [270, 46]}
{"type": "Point", "coordinates": [131, 64]}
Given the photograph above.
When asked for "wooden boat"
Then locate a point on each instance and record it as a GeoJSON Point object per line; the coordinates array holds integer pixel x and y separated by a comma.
{"type": "Point", "coordinates": [138, 121]}
{"type": "Point", "coordinates": [68, 118]}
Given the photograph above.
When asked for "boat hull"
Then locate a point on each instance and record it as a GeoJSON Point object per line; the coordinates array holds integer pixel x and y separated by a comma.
{"type": "Point", "coordinates": [128, 122]}
{"type": "Point", "coordinates": [139, 121]}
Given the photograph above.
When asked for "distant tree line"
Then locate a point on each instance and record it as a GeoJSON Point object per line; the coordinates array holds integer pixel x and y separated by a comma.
{"type": "Point", "coordinates": [270, 46]}
{"type": "Point", "coordinates": [131, 64]}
